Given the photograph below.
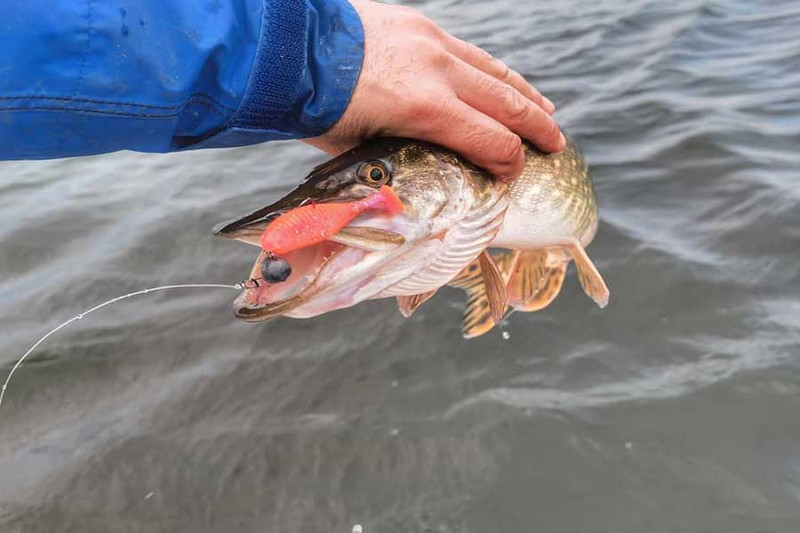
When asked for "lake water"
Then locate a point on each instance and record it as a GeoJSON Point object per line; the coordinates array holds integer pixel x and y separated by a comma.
{"type": "Point", "coordinates": [675, 409]}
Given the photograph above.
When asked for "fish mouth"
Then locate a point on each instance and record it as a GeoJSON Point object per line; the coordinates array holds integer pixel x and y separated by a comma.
{"type": "Point", "coordinates": [262, 301]}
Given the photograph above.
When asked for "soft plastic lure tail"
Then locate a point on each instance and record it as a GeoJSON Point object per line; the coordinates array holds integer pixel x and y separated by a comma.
{"type": "Point", "coordinates": [311, 224]}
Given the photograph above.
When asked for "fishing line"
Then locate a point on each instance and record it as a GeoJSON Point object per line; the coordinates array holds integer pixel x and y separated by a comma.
{"type": "Point", "coordinates": [505, 325]}
{"type": "Point", "coordinates": [79, 316]}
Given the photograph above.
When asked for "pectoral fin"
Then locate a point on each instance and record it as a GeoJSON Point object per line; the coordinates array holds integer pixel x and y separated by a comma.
{"type": "Point", "coordinates": [409, 304]}
{"type": "Point", "coordinates": [369, 239]}
{"type": "Point", "coordinates": [495, 286]}
{"type": "Point", "coordinates": [591, 280]}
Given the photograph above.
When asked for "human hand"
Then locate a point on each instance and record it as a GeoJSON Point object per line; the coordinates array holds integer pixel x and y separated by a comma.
{"type": "Point", "coordinates": [419, 81]}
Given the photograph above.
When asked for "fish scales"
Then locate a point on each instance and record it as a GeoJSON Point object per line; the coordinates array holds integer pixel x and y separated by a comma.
{"type": "Point", "coordinates": [451, 213]}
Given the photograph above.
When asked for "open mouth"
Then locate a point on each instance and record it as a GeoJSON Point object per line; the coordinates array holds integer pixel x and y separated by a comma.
{"type": "Point", "coordinates": [263, 301]}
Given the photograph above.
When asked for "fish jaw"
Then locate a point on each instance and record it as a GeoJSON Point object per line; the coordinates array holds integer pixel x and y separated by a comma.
{"type": "Point", "coordinates": [261, 301]}
{"type": "Point", "coordinates": [435, 252]}
{"type": "Point", "coordinates": [331, 276]}
{"type": "Point", "coordinates": [325, 276]}
{"type": "Point", "coordinates": [355, 274]}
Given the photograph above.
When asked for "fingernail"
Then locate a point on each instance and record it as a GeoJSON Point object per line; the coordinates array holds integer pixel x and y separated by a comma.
{"type": "Point", "coordinates": [549, 106]}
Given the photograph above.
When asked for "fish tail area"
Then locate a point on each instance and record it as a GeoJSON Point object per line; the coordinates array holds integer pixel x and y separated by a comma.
{"type": "Point", "coordinates": [592, 282]}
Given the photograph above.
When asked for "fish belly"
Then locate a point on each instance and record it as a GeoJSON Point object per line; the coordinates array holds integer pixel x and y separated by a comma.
{"type": "Point", "coordinates": [524, 230]}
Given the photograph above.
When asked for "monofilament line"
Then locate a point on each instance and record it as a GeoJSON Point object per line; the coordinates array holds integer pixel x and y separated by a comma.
{"type": "Point", "coordinates": [79, 316]}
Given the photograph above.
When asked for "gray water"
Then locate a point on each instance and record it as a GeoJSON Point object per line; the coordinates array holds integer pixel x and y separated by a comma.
{"type": "Point", "coordinates": [677, 408]}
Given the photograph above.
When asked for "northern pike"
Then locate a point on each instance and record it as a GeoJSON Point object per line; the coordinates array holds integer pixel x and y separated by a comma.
{"type": "Point", "coordinates": [452, 213]}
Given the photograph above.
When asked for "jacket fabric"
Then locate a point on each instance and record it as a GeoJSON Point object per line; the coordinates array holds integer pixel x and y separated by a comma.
{"type": "Point", "coordinates": [81, 77]}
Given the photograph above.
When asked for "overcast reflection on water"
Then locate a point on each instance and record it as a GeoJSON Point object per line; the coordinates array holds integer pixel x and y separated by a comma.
{"type": "Point", "coordinates": [674, 409]}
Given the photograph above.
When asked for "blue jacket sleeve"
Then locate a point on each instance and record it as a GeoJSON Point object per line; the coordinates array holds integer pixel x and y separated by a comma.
{"type": "Point", "coordinates": [82, 77]}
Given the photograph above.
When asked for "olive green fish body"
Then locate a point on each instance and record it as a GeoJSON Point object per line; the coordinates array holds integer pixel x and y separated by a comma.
{"type": "Point", "coordinates": [552, 200]}
{"type": "Point", "coordinates": [452, 212]}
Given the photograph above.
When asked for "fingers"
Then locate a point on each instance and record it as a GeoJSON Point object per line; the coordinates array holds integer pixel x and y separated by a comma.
{"type": "Point", "coordinates": [485, 62]}
{"type": "Point", "coordinates": [509, 107]}
{"type": "Point", "coordinates": [456, 95]}
{"type": "Point", "coordinates": [333, 145]}
{"type": "Point", "coordinates": [481, 139]}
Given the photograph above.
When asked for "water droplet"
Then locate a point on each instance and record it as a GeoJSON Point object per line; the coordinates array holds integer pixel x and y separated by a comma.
{"type": "Point", "coordinates": [358, 529]}
{"type": "Point", "coordinates": [395, 383]}
{"type": "Point", "coordinates": [504, 329]}
{"type": "Point", "coordinates": [394, 432]}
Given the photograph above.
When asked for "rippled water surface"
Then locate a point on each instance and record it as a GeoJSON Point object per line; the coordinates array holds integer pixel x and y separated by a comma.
{"type": "Point", "coordinates": [677, 408]}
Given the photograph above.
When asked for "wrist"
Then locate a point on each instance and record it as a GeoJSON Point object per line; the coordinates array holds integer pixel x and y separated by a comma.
{"type": "Point", "coordinates": [306, 68]}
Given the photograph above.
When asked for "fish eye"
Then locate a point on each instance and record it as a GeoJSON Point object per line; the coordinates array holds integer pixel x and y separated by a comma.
{"type": "Point", "coordinates": [374, 173]}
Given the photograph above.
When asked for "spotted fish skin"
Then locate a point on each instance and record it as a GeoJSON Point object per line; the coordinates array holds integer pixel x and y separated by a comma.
{"type": "Point", "coordinates": [452, 213]}
{"type": "Point", "coordinates": [552, 200]}
{"type": "Point", "coordinates": [552, 215]}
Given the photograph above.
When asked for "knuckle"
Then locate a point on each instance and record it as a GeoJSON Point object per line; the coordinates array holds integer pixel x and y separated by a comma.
{"type": "Point", "coordinates": [520, 78]}
{"type": "Point", "coordinates": [481, 54]}
{"type": "Point", "coordinates": [430, 112]}
{"type": "Point", "coordinates": [491, 87]}
{"type": "Point", "coordinates": [436, 56]}
{"type": "Point", "coordinates": [443, 59]}
{"type": "Point", "coordinates": [535, 95]}
{"type": "Point", "coordinates": [515, 77]}
{"type": "Point", "coordinates": [430, 54]}
{"type": "Point", "coordinates": [506, 147]}
{"type": "Point", "coordinates": [504, 71]}
{"type": "Point", "coordinates": [420, 22]}
{"type": "Point", "coordinates": [517, 107]}
{"type": "Point", "coordinates": [429, 26]}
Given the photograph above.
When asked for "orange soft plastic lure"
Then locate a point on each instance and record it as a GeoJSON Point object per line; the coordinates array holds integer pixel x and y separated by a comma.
{"type": "Point", "coordinates": [311, 224]}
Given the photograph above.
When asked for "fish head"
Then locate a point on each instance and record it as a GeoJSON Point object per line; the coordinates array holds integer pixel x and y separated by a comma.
{"type": "Point", "coordinates": [337, 273]}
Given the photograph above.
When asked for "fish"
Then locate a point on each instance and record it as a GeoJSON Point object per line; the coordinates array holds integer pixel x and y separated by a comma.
{"type": "Point", "coordinates": [453, 215]}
